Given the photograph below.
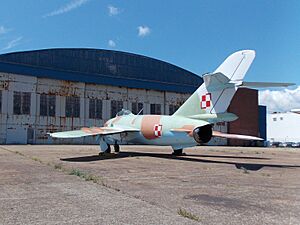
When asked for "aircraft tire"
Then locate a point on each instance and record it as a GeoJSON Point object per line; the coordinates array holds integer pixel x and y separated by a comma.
{"type": "Point", "coordinates": [117, 148]}
{"type": "Point", "coordinates": [178, 152]}
{"type": "Point", "coordinates": [108, 150]}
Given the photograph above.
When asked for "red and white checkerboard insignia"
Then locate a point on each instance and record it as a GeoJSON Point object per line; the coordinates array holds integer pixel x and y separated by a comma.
{"type": "Point", "coordinates": [157, 130]}
{"type": "Point", "coordinates": [206, 101]}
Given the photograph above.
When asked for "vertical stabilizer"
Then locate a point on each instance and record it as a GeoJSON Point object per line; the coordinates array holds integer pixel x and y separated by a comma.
{"type": "Point", "coordinates": [236, 65]}
{"type": "Point", "coordinates": [215, 94]}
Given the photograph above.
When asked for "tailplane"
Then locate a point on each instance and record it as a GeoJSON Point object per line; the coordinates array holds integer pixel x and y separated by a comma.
{"type": "Point", "coordinates": [215, 94]}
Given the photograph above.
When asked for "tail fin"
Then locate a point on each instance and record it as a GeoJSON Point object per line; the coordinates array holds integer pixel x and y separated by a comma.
{"type": "Point", "coordinates": [215, 94]}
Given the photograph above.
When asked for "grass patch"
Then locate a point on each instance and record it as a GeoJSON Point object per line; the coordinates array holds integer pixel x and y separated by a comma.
{"type": "Point", "coordinates": [58, 166]}
{"type": "Point", "coordinates": [94, 179]}
{"type": "Point", "coordinates": [77, 173]}
{"type": "Point", "coordinates": [19, 153]}
{"type": "Point", "coordinates": [231, 186]}
{"type": "Point", "coordinates": [184, 213]}
{"type": "Point", "coordinates": [36, 159]}
{"type": "Point", "coordinates": [87, 177]}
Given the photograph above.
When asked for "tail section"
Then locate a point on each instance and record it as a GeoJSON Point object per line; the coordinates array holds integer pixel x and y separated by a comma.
{"type": "Point", "coordinates": [215, 94]}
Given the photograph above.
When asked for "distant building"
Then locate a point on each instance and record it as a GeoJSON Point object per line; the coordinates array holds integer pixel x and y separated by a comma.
{"type": "Point", "coordinates": [284, 127]}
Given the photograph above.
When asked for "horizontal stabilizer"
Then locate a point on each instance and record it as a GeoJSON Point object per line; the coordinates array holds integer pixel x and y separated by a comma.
{"type": "Point", "coordinates": [265, 84]}
{"type": "Point", "coordinates": [236, 136]}
{"type": "Point", "coordinates": [215, 117]}
{"type": "Point", "coordinates": [215, 81]}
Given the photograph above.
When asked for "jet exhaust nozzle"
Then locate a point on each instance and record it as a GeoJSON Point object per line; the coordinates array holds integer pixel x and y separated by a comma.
{"type": "Point", "coordinates": [202, 134]}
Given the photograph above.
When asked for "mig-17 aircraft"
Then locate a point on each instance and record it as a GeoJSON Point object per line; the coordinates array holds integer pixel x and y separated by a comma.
{"type": "Point", "coordinates": [192, 124]}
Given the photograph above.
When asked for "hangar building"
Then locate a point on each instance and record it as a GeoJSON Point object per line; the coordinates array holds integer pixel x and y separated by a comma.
{"type": "Point", "coordinates": [281, 130]}
{"type": "Point", "coordinates": [52, 90]}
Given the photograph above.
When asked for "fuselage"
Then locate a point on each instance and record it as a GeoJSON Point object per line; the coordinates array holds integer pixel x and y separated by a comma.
{"type": "Point", "coordinates": [154, 130]}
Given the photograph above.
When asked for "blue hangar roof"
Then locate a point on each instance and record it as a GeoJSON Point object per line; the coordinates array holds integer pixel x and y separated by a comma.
{"type": "Point", "coordinates": [101, 67]}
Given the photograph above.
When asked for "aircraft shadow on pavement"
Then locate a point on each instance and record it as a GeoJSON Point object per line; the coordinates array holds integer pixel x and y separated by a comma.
{"type": "Point", "coordinates": [188, 157]}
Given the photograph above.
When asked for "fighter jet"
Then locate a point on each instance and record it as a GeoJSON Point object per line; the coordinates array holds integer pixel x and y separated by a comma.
{"type": "Point", "coordinates": [191, 125]}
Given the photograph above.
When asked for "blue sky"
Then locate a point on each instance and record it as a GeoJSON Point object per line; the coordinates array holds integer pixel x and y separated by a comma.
{"type": "Point", "coordinates": [196, 34]}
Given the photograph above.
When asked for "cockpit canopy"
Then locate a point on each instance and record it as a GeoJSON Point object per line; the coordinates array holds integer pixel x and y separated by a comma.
{"type": "Point", "coordinates": [124, 112]}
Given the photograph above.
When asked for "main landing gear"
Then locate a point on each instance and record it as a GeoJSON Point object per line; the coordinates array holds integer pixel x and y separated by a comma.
{"type": "Point", "coordinates": [178, 152]}
{"type": "Point", "coordinates": [117, 148]}
{"type": "Point", "coordinates": [108, 150]}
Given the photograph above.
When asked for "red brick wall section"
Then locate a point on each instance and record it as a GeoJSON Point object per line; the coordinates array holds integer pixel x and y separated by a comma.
{"type": "Point", "coordinates": [245, 105]}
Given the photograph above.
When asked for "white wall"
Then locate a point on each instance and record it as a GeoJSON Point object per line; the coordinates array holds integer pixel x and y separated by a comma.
{"type": "Point", "coordinates": [283, 127]}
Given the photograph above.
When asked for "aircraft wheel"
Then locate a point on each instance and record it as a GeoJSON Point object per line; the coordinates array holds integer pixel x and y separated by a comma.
{"type": "Point", "coordinates": [178, 152]}
{"type": "Point", "coordinates": [117, 148]}
{"type": "Point", "coordinates": [108, 150]}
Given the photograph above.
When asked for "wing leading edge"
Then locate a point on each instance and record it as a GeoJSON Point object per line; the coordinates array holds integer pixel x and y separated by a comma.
{"type": "Point", "coordinates": [91, 131]}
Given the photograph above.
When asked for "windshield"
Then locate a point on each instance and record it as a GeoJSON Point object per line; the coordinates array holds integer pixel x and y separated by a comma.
{"type": "Point", "coordinates": [124, 112]}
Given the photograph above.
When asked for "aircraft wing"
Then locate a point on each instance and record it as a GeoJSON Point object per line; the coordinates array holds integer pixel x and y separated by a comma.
{"type": "Point", "coordinates": [235, 136]}
{"type": "Point", "coordinates": [92, 131]}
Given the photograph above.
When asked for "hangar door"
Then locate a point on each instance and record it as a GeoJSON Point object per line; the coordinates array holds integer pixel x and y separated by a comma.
{"type": "Point", "coordinates": [16, 135]}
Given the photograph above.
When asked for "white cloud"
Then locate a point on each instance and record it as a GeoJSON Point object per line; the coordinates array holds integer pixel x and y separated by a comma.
{"type": "Point", "coordinates": [67, 8]}
{"type": "Point", "coordinates": [280, 101]}
{"type": "Point", "coordinates": [112, 44]}
{"type": "Point", "coordinates": [112, 11]}
{"type": "Point", "coordinates": [3, 30]}
{"type": "Point", "coordinates": [12, 43]}
{"type": "Point", "coordinates": [143, 31]}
